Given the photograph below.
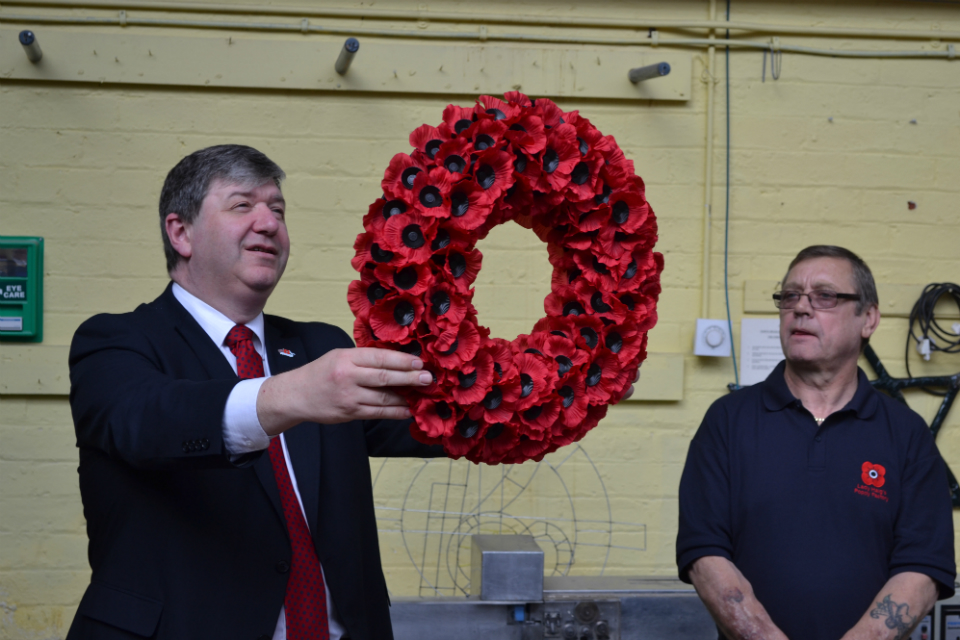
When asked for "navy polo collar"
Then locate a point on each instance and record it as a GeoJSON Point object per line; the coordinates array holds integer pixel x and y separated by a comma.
{"type": "Point", "coordinates": [777, 395]}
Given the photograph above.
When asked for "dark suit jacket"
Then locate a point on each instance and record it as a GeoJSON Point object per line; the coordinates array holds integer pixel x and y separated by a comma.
{"type": "Point", "coordinates": [185, 543]}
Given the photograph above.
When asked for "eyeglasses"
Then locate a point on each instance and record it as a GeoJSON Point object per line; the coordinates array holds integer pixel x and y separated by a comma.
{"type": "Point", "coordinates": [819, 298]}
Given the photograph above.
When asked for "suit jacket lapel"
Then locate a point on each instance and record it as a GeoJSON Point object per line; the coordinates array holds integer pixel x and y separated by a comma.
{"type": "Point", "coordinates": [196, 338]}
{"type": "Point", "coordinates": [286, 352]}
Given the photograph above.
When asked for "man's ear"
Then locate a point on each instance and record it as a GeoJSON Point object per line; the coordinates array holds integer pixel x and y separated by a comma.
{"type": "Point", "coordinates": [179, 234]}
{"type": "Point", "coordinates": [872, 314]}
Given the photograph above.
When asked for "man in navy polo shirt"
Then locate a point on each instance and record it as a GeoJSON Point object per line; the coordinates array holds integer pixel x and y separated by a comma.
{"type": "Point", "coordinates": [811, 505]}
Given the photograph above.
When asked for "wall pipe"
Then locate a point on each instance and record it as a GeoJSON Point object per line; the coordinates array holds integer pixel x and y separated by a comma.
{"type": "Point", "coordinates": [708, 171]}
{"type": "Point", "coordinates": [555, 21]}
{"type": "Point", "coordinates": [948, 53]}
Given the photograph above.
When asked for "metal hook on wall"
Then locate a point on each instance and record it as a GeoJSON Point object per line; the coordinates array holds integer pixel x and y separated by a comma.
{"type": "Point", "coordinates": [776, 60]}
{"type": "Point", "coordinates": [350, 48]}
{"type": "Point", "coordinates": [639, 74]}
{"type": "Point", "coordinates": [30, 46]}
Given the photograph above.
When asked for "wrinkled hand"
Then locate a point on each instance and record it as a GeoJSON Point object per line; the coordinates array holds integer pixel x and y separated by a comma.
{"type": "Point", "coordinates": [630, 389]}
{"type": "Point", "coordinates": [343, 385]}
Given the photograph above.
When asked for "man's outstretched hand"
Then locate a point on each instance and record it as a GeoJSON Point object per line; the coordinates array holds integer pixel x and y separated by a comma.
{"type": "Point", "coordinates": [343, 385]}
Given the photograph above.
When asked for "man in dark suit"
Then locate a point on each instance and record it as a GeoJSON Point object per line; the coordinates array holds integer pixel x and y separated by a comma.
{"type": "Point", "coordinates": [228, 494]}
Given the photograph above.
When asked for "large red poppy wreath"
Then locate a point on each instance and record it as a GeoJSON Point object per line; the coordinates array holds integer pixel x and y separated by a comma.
{"type": "Point", "coordinates": [494, 400]}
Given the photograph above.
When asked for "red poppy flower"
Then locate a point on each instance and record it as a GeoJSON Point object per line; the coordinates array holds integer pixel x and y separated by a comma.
{"type": "Point", "coordinates": [446, 308]}
{"type": "Point", "coordinates": [601, 377]}
{"type": "Point", "coordinates": [363, 293]}
{"type": "Point", "coordinates": [550, 112]}
{"type": "Point", "coordinates": [537, 374]}
{"type": "Point", "coordinates": [493, 172]}
{"type": "Point", "coordinates": [427, 140]}
{"type": "Point", "coordinates": [400, 175]}
{"type": "Point", "coordinates": [456, 120]}
{"type": "Point", "coordinates": [430, 193]}
{"type": "Point", "coordinates": [455, 156]}
{"type": "Point", "coordinates": [873, 474]}
{"type": "Point", "coordinates": [498, 109]}
{"type": "Point", "coordinates": [559, 158]}
{"type": "Point", "coordinates": [498, 440]}
{"type": "Point", "coordinates": [572, 394]}
{"type": "Point", "coordinates": [370, 253]}
{"type": "Point", "coordinates": [499, 401]}
{"type": "Point", "coordinates": [454, 347]}
{"type": "Point", "coordinates": [527, 134]}
{"type": "Point", "coordinates": [469, 207]}
{"type": "Point", "coordinates": [410, 235]}
{"type": "Point", "coordinates": [474, 379]}
{"type": "Point", "coordinates": [485, 133]}
{"type": "Point", "coordinates": [410, 278]}
{"type": "Point", "coordinates": [436, 418]}
{"type": "Point", "coordinates": [396, 318]}
{"type": "Point", "coordinates": [459, 267]}
{"type": "Point", "coordinates": [583, 179]}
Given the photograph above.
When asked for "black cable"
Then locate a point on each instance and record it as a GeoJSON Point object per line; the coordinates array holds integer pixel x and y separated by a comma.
{"type": "Point", "coordinates": [922, 314]}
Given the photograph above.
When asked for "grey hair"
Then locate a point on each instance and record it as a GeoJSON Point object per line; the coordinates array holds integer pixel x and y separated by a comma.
{"type": "Point", "coordinates": [190, 180]}
{"type": "Point", "coordinates": [862, 277]}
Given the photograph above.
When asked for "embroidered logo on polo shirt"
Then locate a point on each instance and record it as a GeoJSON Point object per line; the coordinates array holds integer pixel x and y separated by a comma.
{"type": "Point", "coordinates": [872, 477]}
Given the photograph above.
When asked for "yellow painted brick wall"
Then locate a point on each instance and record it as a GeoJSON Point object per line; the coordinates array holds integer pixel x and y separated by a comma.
{"type": "Point", "coordinates": [829, 153]}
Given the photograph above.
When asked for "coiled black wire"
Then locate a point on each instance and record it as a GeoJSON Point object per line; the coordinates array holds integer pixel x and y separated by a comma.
{"type": "Point", "coordinates": [922, 316]}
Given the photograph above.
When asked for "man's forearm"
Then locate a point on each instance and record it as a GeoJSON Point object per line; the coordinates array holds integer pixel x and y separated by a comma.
{"type": "Point", "coordinates": [729, 597]}
{"type": "Point", "coordinates": [899, 606]}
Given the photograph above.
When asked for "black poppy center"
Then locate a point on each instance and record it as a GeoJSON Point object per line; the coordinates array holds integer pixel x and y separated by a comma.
{"type": "Point", "coordinates": [413, 236]}
{"type": "Point", "coordinates": [430, 197]}
{"type": "Point", "coordinates": [550, 160]}
{"type": "Point", "coordinates": [533, 412]}
{"type": "Point", "coordinates": [497, 114]}
{"type": "Point", "coordinates": [614, 342]}
{"type": "Point", "coordinates": [440, 303]}
{"type": "Point", "coordinates": [403, 313]}
{"type": "Point", "coordinates": [573, 308]}
{"type": "Point", "coordinates": [603, 198]}
{"type": "Point", "coordinates": [631, 270]}
{"type": "Point", "coordinates": [627, 299]}
{"type": "Point", "coordinates": [580, 173]}
{"type": "Point", "coordinates": [493, 399]}
{"type": "Point", "coordinates": [461, 124]}
{"type": "Point", "coordinates": [498, 369]}
{"type": "Point", "coordinates": [493, 431]}
{"type": "Point", "coordinates": [375, 292]}
{"type": "Point", "coordinates": [567, 394]}
{"type": "Point", "coordinates": [380, 255]}
{"type": "Point", "coordinates": [432, 147]}
{"type": "Point", "coordinates": [443, 410]}
{"type": "Point", "coordinates": [441, 241]}
{"type": "Point", "coordinates": [468, 428]}
{"type": "Point", "coordinates": [459, 204]}
{"type": "Point", "coordinates": [599, 267]}
{"type": "Point", "coordinates": [596, 301]}
{"type": "Point", "coordinates": [526, 385]}
{"type": "Point", "coordinates": [393, 208]}
{"type": "Point", "coordinates": [594, 373]}
{"type": "Point", "coordinates": [520, 164]}
{"type": "Point", "coordinates": [535, 352]}
{"type": "Point", "coordinates": [573, 274]}
{"type": "Point", "coordinates": [413, 348]}
{"type": "Point", "coordinates": [485, 176]}
{"type": "Point", "coordinates": [621, 211]}
{"type": "Point", "coordinates": [565, 364]}
{"type": "Point", "coordinates": [409, 176]}
{"type": "Point", "coordinates": [584, 147]}
{"type": "Point", "coordinates": [454, 163]}
{"type": "Point", "coordinates": [482, 141]}
{"type": "Point", "coordinates": [558, 333]}
{"type": "Point", "coordinates": [406, 278]}
{"type": "Point", "coordinates": [467, 380]}
{"type": "Point", "coordinates": [517, 127]}
{"type": "Point", "coordinates": [452, 349]}
{"type": "Point", "coordinates": [590, 336]}
{"type": "Point", "coordinates": [458, 265]}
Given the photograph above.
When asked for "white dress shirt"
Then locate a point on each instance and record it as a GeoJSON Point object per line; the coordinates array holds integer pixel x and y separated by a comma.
{"type": "Point", "coordinates": [242, 432]}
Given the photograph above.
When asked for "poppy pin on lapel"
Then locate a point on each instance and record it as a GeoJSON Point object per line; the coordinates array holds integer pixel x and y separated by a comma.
{"type": "Point", "coordinates": [286, 352]}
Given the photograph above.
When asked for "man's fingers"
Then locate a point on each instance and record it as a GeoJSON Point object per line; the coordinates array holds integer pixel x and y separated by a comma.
{"type": "Point", "coordinates": [373, 378]}
{"type": "Point", "coordinates": [384, 359]}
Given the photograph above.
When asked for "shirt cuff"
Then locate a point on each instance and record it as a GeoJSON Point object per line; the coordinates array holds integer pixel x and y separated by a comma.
{"type": "Point", "coordinates": [242, 432]}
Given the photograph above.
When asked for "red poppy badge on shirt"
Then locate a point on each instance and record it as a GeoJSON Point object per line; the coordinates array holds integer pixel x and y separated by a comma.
{"type": "Point", "coordinates": [290, 354]}
{"type": "Point", "coordinates": [873, 474]}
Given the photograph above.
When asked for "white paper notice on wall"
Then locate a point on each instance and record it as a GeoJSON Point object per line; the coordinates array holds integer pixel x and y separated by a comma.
{"type": "Point", "coordinates": [760, 350]}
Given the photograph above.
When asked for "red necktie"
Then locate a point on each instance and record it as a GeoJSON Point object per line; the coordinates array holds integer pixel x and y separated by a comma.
{"type": "Point", "coordinates": [305, 603]}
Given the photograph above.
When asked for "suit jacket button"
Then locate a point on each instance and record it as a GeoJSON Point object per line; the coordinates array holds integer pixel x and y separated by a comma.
{"type": "Point", "coordinates": [283, 567]}
{"type": "Point", "coordinates": [186, 448]}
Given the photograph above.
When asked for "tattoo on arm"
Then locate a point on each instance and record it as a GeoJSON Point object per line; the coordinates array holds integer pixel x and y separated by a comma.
{"type": "Point", "coordinates": [733, 595]}
{"type": "Point", "coordinates": [897, 616]}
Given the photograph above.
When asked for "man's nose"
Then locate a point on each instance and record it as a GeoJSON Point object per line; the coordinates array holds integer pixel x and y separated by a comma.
{"type": "Point", "coordinates": [803, 306]}
{"type": "Point", "coordinates": [265, 221]}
